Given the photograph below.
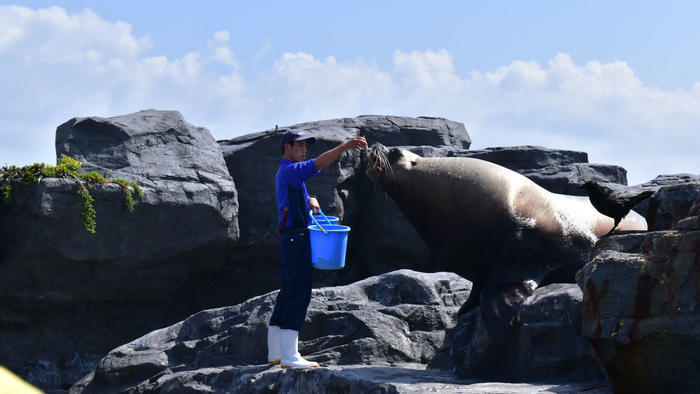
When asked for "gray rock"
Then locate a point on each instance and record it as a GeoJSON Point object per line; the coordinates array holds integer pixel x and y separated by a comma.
{"type": "Point", "coordinates": [376, 335]}
{"type": "Point", "coordinates": [566, 179]}
{"type": "Point", "coordinates": [547, 342]}
{"type": "Point", "coordinates": [404, 378]}
{"type": "Point", "coordinates": [399, 317]}
{"type": "Point", "coordinates": [670, 204]}
{"type": "Point", "coordinates": [175, 162]}
{"type": "Point", "coordinates": [672, 179]}
{"type": "Point", "coordinates": [524, 157]}
{"type": "Point", "coordinates": [67, 296]}
{"type": "Point", "coordinates": [689, 223]}
{"type": "Point", "coordinates": [692, 221]}
{"type": "Point", "coordinates": [396, 130]}
{"type": "Point", "coordinates": [641, 293]}
{"type": "Point", "coordinates": [659, 182]}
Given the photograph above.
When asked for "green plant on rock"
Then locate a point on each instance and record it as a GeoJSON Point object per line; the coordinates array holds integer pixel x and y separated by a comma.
{"type": "Point", "coordinates": [89, 223]}
{"type": "Point", "coordinates": [92, 177]}
{"type": "Point", "coordinates": [67, 167]}
{"type": "Point", "coordinates": [6, 192]}
{"type": "Point", "coordinates": [128, 197]}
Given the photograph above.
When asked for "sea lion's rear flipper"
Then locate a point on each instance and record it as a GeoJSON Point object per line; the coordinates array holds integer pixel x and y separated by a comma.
{"type": "Point", "coordinates": [500, 303]}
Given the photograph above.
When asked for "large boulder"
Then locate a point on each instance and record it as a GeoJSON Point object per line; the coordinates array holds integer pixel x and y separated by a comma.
{"type": "Point", "coordinates": [641, 297]}
{"type": "Point", "coordinates": [400, 317]}
{"type": "Point", "coordinates": [546, 343]}
{"type": "Point", "coordinates": [669, 204]}
{"type": "Point", "coordinates": [661, 181]}
{"type": "Point", "coordinates": [178, 166]}
{"type": "Point", "coordinates": [67, 295]}
{"type": "Point", "coordinates": [671, 179]}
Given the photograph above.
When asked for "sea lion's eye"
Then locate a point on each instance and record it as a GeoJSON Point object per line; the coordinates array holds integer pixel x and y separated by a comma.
{"type": "Point", "coordinates": [413, 163]}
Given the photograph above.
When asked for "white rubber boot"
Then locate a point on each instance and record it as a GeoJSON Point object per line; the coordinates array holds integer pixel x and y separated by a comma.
{"type": "Point", "coordinates": [274, 354]}
{"type": "Point", "coordinates": [289, 339]}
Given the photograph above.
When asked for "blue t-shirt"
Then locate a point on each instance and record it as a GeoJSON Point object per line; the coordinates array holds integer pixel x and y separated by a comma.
{"type": "Point", "coordinates": [291, 192]}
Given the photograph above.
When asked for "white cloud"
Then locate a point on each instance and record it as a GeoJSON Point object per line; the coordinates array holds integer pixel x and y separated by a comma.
{"type": "Point", "coordinates": [51, 36]}
{"type": "Point", "coordinates": [425, 71]}
{"type": "Point", "coordinates": [219, 49]}
{"type": "Point", "coordinates": [264, 49]}
{"type": "Point", "coordinates": [58, 65]}
{"type": "Point", "coordinates": [221, 36]}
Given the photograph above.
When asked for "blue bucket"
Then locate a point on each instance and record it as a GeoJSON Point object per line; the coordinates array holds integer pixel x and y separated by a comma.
{"type": "Point", "coordinates": [328, 248]}
{"type": "Point", "coordinates": [326, 219]}
{"type": "Point", "coordinates": [328, 242]}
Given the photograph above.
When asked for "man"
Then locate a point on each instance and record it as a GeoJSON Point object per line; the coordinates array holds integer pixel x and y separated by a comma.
{"type": "Point", "coordinates": [294, 249]}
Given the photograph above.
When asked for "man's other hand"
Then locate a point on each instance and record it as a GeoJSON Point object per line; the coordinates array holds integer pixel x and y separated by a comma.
{"type": "Point", "coordinates": [313, 204]}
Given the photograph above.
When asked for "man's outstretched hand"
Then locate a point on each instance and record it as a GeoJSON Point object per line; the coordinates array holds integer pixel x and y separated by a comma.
{"type": "Point", "coordinates": [329, 156]}
{"type": "Point", "coordinates": [355, 143]}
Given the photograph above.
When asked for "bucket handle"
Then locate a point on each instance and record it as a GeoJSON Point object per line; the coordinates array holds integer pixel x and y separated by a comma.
{"type": "Point", "coordinates": [324, 216]}
{"type": "Point", "coordinates": [311, 213]}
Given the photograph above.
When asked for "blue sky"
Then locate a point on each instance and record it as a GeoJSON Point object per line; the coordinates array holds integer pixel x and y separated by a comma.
{"type": "Point", "coordinates": [619, 80]}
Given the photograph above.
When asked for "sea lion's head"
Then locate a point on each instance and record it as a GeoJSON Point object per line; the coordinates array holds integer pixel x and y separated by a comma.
{"type": "Point", "coordinates": [389, 162]}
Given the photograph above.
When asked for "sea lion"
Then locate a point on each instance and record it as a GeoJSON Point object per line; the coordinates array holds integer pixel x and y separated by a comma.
{"type": "Point", "coordinates": [492, 226]}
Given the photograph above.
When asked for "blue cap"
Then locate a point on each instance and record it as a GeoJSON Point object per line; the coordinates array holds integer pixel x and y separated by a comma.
{"type": "Point", "coordinates": [296, 135]}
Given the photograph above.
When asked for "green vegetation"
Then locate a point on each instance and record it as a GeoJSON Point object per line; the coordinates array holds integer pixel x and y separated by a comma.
{"type": "Point", "coordinates": [89, 223]}
{"type": "Point", "coordinates": [67, 167]}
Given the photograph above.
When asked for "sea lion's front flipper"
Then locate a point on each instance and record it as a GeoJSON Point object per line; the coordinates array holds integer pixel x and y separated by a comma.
{"type": "Point", "coordinates": [500, 303]}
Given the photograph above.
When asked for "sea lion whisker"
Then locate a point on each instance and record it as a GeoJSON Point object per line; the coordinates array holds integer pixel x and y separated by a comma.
{"type": "Point", "coordinates": [376, 156]}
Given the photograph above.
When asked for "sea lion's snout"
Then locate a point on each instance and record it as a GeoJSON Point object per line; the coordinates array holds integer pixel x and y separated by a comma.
{"type": "Point", "coordinates": [378, 162]}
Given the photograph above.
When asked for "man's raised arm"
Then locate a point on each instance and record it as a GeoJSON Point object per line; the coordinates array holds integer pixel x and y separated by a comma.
{"type": "Point", "coordinates": [326, 158]}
